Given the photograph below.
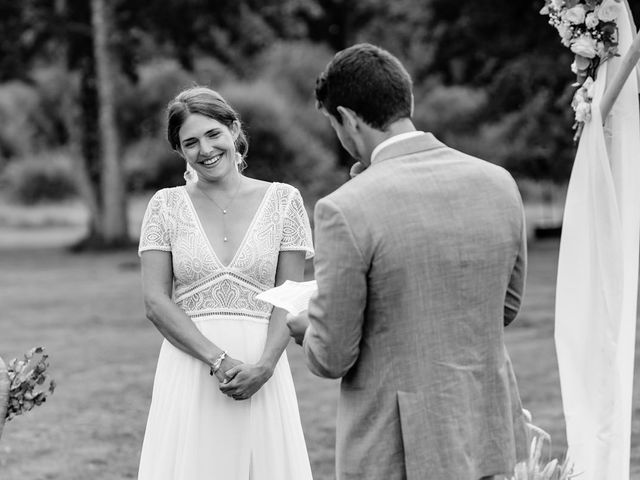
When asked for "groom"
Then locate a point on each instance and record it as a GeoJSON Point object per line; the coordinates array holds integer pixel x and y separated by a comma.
{"type": "Point", "coordinates": [420, 265]}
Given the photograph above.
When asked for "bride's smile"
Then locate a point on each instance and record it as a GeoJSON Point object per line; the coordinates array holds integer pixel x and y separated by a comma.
{"type": "Point", "coordinates": [211, 161]}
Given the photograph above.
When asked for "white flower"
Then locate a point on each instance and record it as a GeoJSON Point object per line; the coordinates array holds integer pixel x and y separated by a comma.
{"type": "Point", "coordinates": [589, 87]}
{"type": "Point", "coordinates": [581, 102]}
{"type": "Point", "coordinates": [576, 15]}
{"type": "Point", "coordinates": [584, 46]}
{"type": "Point", "coordinates": [557, 4]}
{"type": "Point", "coordinates": [591, 21]}
{"type": "Point", "coordinates": [574, 67]}
{"type": "Point", "coordinates": [565, 33]}
{"type": "Point", "coordinates": [608, 10]}
{"type": "Point", "coordinates": [580, 96]}
{"type": "Point", "coordinates": [583, 112]}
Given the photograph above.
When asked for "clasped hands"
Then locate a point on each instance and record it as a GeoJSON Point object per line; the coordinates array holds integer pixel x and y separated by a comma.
{"type": "Point", "coordinates": [241, 380]}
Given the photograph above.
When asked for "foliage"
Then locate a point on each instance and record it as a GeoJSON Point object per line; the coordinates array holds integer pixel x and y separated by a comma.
{"type": "Point", "coordinates": [484, 71]}
{"type": "Point", "coordinates": [141, 105]}
{"type": "Point", "coordinates": [491, 53]}
{"type": "Point", "coordinates": [47, 176]}
{"type": "Point", "coordinates": [442, 109]}
{"type": "Point", "coordinates": [26, 126]}
{"type": "Point", "coordinates": [233, 31]}
{"type": "Point", "coordinates": [291, 69]}
{"type": "Point", "coordinates": [34, 114]}
{"type": "Point", "coordinates": [279, 148]}
{"type": "Point", "coordinates": [28, 380]}
{"type": "Point", "coordinates": [534, 468]}
{"type": "Point", "coordinates": [150, 164]}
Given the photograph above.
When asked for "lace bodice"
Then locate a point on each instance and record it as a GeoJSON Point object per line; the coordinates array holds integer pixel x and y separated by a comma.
{"type": "Point", "coordinates": [203, 286]}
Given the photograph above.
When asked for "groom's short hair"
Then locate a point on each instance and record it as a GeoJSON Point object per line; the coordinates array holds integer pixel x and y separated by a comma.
{"type": "Point", "coordinates": [368, 80]}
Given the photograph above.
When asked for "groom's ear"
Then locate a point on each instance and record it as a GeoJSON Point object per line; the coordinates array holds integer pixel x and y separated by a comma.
{"type": "Point", "coordinates": [348, 118]}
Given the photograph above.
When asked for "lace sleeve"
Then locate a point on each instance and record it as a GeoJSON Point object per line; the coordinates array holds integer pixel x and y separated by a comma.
{"type": "Point", "coordinates": [296, 231]}
{"type": "Point", "coordinates": [154, 234]}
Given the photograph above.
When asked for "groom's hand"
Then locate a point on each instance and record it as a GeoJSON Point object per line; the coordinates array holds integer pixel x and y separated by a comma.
{"type": "Point", "coordinates": [298, 326]}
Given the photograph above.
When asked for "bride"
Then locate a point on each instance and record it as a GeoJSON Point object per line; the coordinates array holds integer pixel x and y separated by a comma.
{"type": "Point", "coordinates": [223, 404]}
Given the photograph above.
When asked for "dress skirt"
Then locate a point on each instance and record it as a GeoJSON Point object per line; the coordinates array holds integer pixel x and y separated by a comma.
{"type": "Point", "coordinates": [195, 432]}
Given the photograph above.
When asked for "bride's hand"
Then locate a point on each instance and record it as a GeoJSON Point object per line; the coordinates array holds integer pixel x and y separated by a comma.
{"type": "Point", "coordinates": [227, 364]}
{"type": "Point", "coordinates": [246, 379]}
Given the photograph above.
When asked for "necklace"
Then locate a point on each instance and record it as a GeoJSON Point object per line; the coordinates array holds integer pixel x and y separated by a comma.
{"type": "Point", "coordinates": [223, 210]}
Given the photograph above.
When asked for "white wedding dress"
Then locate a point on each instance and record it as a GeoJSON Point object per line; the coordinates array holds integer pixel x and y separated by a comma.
{"type": "Point", "coordinates": [194, 432]}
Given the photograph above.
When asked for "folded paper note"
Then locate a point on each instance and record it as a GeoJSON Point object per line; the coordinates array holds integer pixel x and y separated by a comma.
{"type": "Point", "coordinates": [290, 296]}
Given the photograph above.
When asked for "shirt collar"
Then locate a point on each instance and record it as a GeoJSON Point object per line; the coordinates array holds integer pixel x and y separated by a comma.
{"type": "Point", "coordinates": [396, 138]}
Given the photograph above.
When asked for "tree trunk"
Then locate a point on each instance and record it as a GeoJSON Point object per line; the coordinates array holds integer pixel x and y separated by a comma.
{"type": "Point", "coordinates": [113, 221]}
{"type": "Point", "coordinates": [81, 50]}
{"type": "Point", "coordinates": [79, 110]}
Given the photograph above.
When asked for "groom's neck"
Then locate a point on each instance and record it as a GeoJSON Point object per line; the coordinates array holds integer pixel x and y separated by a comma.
{"type": "Point", "coordinates": [376, 137]}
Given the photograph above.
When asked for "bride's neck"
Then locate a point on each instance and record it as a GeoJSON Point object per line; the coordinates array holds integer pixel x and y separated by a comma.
{"type": "Point", "coordinates": [228, 184]}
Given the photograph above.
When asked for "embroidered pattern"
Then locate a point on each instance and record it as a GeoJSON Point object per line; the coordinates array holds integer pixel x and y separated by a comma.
{"type": "Point", "coordinates": [202, 284]}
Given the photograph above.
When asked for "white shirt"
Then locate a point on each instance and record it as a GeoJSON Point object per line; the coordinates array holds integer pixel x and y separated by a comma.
{"type": "Point", "coordinates": [394, 139]}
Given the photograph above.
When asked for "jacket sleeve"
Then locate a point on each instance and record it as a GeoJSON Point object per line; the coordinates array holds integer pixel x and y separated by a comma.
{"type": "Point", "coordinates": [336, 312]}
{"type": "Point", "coordinates": [515, 289]}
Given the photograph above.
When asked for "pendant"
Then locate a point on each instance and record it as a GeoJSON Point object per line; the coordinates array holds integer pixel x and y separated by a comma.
{"type": "Point", "coordinates": [225, 239]}
{"type": "Point", "coordinates": [224, 212]}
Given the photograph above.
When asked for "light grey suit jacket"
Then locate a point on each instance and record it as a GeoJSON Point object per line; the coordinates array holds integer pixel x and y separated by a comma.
{"type": "Point", "coordinates": [420, 263]}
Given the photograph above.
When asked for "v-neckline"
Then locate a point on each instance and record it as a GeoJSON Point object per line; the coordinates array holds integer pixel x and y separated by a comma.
{"type": "Point", "coordinates": [246, 233]}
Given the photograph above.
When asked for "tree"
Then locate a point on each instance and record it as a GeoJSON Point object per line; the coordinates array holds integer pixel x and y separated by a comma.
{"type": "Point", "coordinates": [98, 42]}
{"type": "Point", "coordinates": [87, 55]}
{"type": "Point", "coordinates": [111, 227]}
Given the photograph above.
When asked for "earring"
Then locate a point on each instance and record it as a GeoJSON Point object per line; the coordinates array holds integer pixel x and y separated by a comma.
{"type": "Point", "coordinates": [190, 174]}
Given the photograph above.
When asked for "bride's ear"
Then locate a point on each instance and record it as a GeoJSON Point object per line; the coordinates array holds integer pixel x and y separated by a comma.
{"type": "Point", "coordinates": [235, 129]}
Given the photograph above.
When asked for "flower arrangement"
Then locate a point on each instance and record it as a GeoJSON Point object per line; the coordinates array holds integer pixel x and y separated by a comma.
{"type": "Point", "coordinates": [535, 468]}
{"type": "Point", "coordinates": [589, 29]}
{"type": "Point", "coordinates": [27, 382]}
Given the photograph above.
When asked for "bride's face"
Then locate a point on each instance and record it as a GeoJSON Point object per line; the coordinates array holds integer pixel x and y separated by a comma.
{"type": "Point", "coordinates": [209, 146]}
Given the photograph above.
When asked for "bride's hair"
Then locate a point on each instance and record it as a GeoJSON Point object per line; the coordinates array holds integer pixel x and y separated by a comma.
{"type": "Point", "coordinates": [207, 102]}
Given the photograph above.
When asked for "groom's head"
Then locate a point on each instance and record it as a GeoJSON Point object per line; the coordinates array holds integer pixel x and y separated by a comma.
{"type": "Point", "coordinates": [363, 88]}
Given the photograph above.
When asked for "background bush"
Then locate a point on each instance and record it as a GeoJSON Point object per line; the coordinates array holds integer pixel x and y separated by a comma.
{"type": "Point", "coordinates": [280, 149]}
{"type": "Point", "coordinates": [150, 164]}
{"type": "Point", "coordinates": [291, 68]}
{"type": "Point", "coordinates": [22, 119]}
{"type": "Point", "coordinates": [40, 178]}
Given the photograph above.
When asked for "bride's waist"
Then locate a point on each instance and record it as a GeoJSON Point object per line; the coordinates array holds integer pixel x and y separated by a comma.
{"type": "Point", "coordinates": [198, 316]}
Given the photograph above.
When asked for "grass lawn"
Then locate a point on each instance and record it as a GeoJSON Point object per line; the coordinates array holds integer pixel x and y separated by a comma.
{"type": "Point", "coordinates": [87, 311]}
